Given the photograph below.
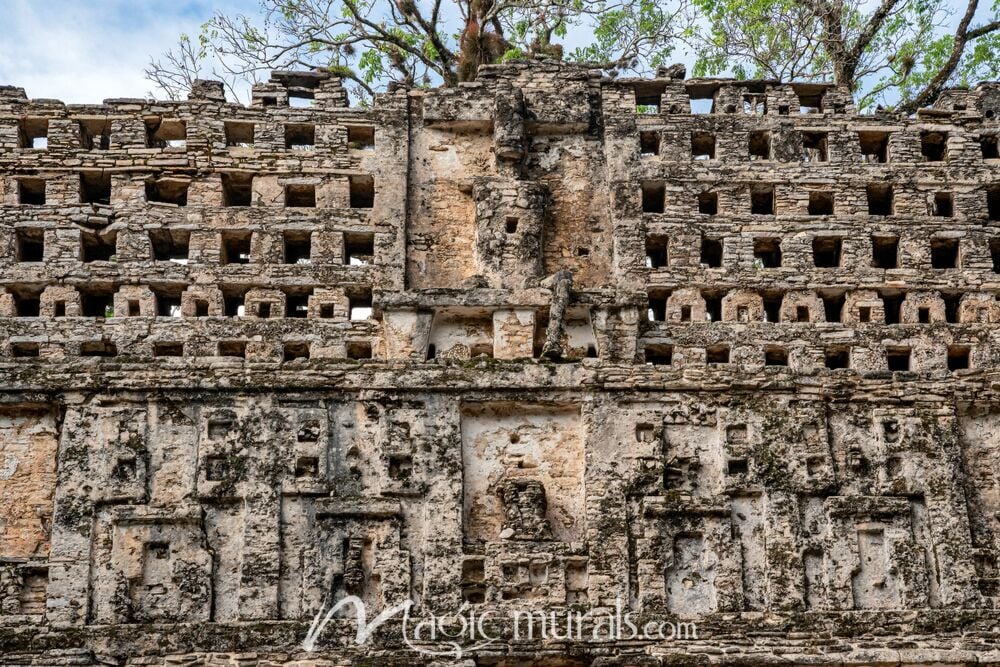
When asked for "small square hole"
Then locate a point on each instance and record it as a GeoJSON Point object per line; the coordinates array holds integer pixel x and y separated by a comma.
{"type": "Point", "coordinates": [296, 350]}
{"type": "Point", "coordinates": [762, 199]}
{"type": "Point", "coordinates": [820, 203]}
{"type": "Point", "coordinates": [768, 252]}
{"type": "Point", "coordinates": [133, 308]}
{"type": "Point", "coordinates": [775, 356]}
{"type": "Point", "coordinates": [826, 251]}
{"type": "Point", "coordinates": [880, 199]}
{"type": "Point", "coordinates": [944, 205]}
{"type": "Point", "coordinates": [510, 226]}
{"type": "Point", "coordinates": [760, 145]}
{"type": "Point", "coordinates": [653, 196]}
{"type": "Point", "coordinates": [239, 134]}
{"type": "Point", "coordinates": [802, 314]}
{"type": "Point", "coordinates": [885, 252]}
{"type": "Point", "coordinates": [95, 187]}
{"type": "Point", "coordinates": [233, 348]}
{"type": "Point", "coordinates": [837, 357]}
{"type": "Point", "coordinates": [923, 315]}
{"type": "Point", "coordinates": [649, 143]}
{"type": "Point", "coordinates": [98, 348]}
{"type": "Point", "coordinates": [898, 358]}
{"type": "Point", "coordinates": [359, 248]}
{"type": "Point", "coordinates": [170, 245]}
{"type": "Point", "coordinates": [168, 349]}
{"type": "Point", "coordinates": [703, 146]}
{"type": "Point", "coordinates": [874, 146]}
{"type": "Point", "coordinates": [944, 253]}
{"type": "Point", "coordinates": [737, 467]}
{"type": "Point", "coordinates": [711, 252]}
{"type": "Point", "coordinates": [30, 244]}
{"type": "Point", "coordinates": [300, 137]}
{"type": "Point", "coordinates": [307, 466]}
{"type": "Point", "coordinates": [958, 357]}
{"type": "Point", "coordinates": [659, 354]}
{"type": "Point", "coordinates": [708, 203]}
{"type": "Point", "coordinates": [814, 147]}
{"type": "Point", "coordinates": [34, 133]}
{"type": "Point", "coordinates": [236, 247]}
{"type": "Point", "coordinates": [22, 350]}
{"type": "Point", "coordinates": [360, 307]}
{"type": "Point", "coordinates": [656, 251]}
{"type": "Point", "coordinates": [298, 246]}
{"type": "Point", "coordinates": [237, 189]}
{"type": "Point", "coordinates": [300, 195]}
{"type": "Point", "coordinates": [359, 350]}
{"type": "Point", "coordinates": [361, 137]}
{"type": "Point", "coordinates": [168, 191]}
{"type": "Point", "coordinates": [31, 191]}
{"type": "Point", "coordinates": [934, 146]}
{"type": "Point", "coordinates": [99, 247]}
{"type": "Point", "coordinates": [362, 191]}
{"type": "Point", "coordinates": [95, 134]}
{"type": "Point", "coordinates": [990, 145]}
{"type": "Point", "coordinates": [717, 354]}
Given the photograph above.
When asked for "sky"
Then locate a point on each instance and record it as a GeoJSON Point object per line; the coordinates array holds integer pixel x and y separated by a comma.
{"type": "Point", "coordinates": [83, 51]}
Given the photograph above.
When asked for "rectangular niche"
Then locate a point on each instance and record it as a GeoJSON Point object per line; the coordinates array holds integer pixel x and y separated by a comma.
{"type": "Point", "coordinates": [521, 444]}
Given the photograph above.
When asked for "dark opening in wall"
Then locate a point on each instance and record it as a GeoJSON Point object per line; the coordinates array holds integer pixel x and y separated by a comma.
{"type": "Point", "coordinates": [810, 103]}
{"type": "Point", "coordinates": [990, 145]}
{"type": "Point", "coordinates": [300, 195]}
{"type": "Point", "coordinates": [233, 300]}
{"type": "Point", "coordinates": [737, 467]}
{"type": "Point", "coordinates": [892, 303]}
{"type": "Point", "coordinates": [34, 133]}
{"type": "Point", "coordinates": [656, 251]}
{"type": "Point", "coordinates": [993, 202]}
{"type": "Point", "coordinates": [943, 204]}
{"type": "Point", "coordinates": [767, 251]}
{"type": "Point", "coordinates": [298, 246]}
{"type": "Point", "coordinates": [232, 348]}
{"type": "Point", "coordinates": [23, 350]}
{"type": "Point", "coordinates": [885, 252]}
{"type": "Point", "coordinates": [168, 300]}
{"type": "Point", "coordinates": [762, 199]}
{"type": "Point", "coordinates": [297, 303]}
{"type": "Point", "coordinates": [657, 309]}
{"type": "Point", "coordinates": [98, 247]}
{"type": "Point", "coordinates": [27, 302]}
{"type": "Point", "coordinates": [923, 315]}
{"type": "Point", "coordinates": [168, 191]}
{"type": "Point", "coordinates": [95, 134]}
{"type": "Point", "coordinates": [296, 350]}
{"type": "Point", "coordinates": [772, 304]}
{"type": "Point", "coordinates": [708, 203]}
{"type": "Point", "coordinates": [775, 356]}
{"type": "Point", "coordinates": [717, 354]}
{"type": "Point", "coordinates": [711, 252]}
{"type": "Point", "coordinates": [360, 305]}
{"type": "Point", "coordinates": [653, 196]}
{"type": "Point", "coordinates": [30, 244]}
{"type": "Point", "coordinates": [820, 203]}
{"type": "Point", "coordinates": [168, 349]}
{"type": "Point", "coordinates": [934, 146]}
{"type": "Point", "coordinates": [864, 314]}
{"type": "Point", "coordinates": [510, 225]}
{"type": "Point", "coordinates": [827, 251]}
{"type": "Point", "coordinates": [237, 189]}
{"type": "Point", "coordinates": [239, 134]}
{"type": "Point", "coordinates": [685, 313]}
{"type": "Point", "coordinates": [837, 357]}
{"type": "Point", "coordinates": [713, 305]}
{"type": "Point", "coordinates": [659, 354]}
{"type": "Point", "coordinates": [880, 199]}
{"type": "Point", "coordinates": [306, 466]}
{"type": "Point", "coordinates": [649, 143]}
{"type": "Point", "coordinates": [166, 133]}
{"type": "Point", "coordinates": [952, 300]}
{"type": "Point", "coordinates": [170, 245]}
{"type": "Point", "coordinates": [755, 104]}
{"type": "Point", "coordinates": [995, 254]}
{"type": "Point", "coordinates": [31, 191]}
{"type": "Point", "coordinates": [802, 314]}
{"type": "Point", "coordinates": [833, 305]}
{"type": "Point", "coordinates": [814, 147]}
{"type": "Point", "coordinates": [97, 302]}
{"type": "Point", "coordinates": [944, 253]}
{"type": "Point", "coordinates": [359, 248]}
{"type": "Point", "coordinates": [98, 348]}
{"type": "Point", "coordinates": [133, 308]}
{"type": "Point", "coordinates": [362, 191]}
{"type": "Point", "coordinates": [648, 98]}
{"type": "Point", "coordinates": [59, 309]}
{"type": "Point", "coordinates": [300, 137]}
{"type": "Point", "coordinates": [361, 137]}
{"type": "Point", "coordinates": [95, 187]}
{"type": "Point", "coordinates": [760, 145]}
{"type": "Point", "coordinates": [898, 358]}
{"type": "Point", "coordinates": [236, 247]}
{"type": "Point", "coordinates": [200, 308]}
{"type": "Point", "coordinates": [702, 145]}
{"type": "Point", "coordinates": [958, 357]}
{"type": "Point", "coordinates": [358, 349]}
{"type": "Point", "coordinates": [874, 146]}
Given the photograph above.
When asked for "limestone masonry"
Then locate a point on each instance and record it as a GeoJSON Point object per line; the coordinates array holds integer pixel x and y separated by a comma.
{"type": "Point", "coordinates": [710, 351]}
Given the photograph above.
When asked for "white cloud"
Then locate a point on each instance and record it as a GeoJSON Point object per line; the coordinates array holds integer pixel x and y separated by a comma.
{"type": "Point", "coordinates": [84, 52]}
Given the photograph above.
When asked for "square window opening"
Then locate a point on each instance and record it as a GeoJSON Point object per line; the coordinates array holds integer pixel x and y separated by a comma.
{"type": "Point", "coordinates": [95, 187]}
{"type": "Point", "coordinates": [296, 350]}
{"type": "Point", "coordinates": [760, 145]}
{"type": "Point", "coordinates": [944, 253]}
{"type": "Point", "coordinates": [34, 133]}
{"type": "Point", "coordinates": [236, 247]}
{"type": "Point", "coordinates": [170, 245]}
{"type": "Point", "coordinates": [24, 350]}
{"type": "Point", "coordinates": [359, 248]}
{"type": "Point", "coordinates": [362, 191]}
{"type": "Point", "coordinates": [833, 305]}
{"type": "Point", "coordinates": [717, 354]}
{"type": "Point", "coordinates": [298, 247]}
{"type": "Point", "coordinates": [837, 358]}
{"type": "Point", "coordinates": [892, 305]}
{"type": "Point", "coordinates": [775, 356]}
{"type": "Point", "coordinates": [30, 244]}
{"type": "Point", "coordinates": [99, 247]}
{"type": "Point", "coordinates": [713, 305]}
{"type": "Point", "coordinates": [357, 349]}
{"type": "Point", "coordinates": [874, 146]}
{"type": "Point", "coordinates": [885, 252]}
{"type": "Point", "coordinates": [168, 349]}
{"type": "Point", "coordinates": [768, 252]}
{"type": "Point", "coordinates": [653, 196]}
{"type": "Point", "coordinates": [827, 251]}
{"type": "Point", "coordinates": [95, 134]}
{"type": "Point", "coordinates": [815, 147]}
{"type": "Point", "coordinates": [233, 348]}
{"type": "Point", "coordinates": [237, 189]}
{"type": "Point", "coordinates": [934, 146]}
{"type": "Point", "coordinates": [708, 203]}
{"type": "Point", "coordinates": [300, 195]}
{"type": "Point", "coordinates": [361, 137]}
{"type": "Point", "coordinates": [649, 143]}
{"type": "Point", "coordinates": [958, 357]}
{"type": "Point", "coordinates": [658, 354]}
{"type": "Point", "coordinates": [762, 200]}
{"type": "Point", "coordinates": [239, 134]}
{"type": "Point", "coordinates": [880, 199]}
{"type": "Point", "coordinates": [898, 359]}
{"type": "Point", "coordinates": [31, 191]}
{"type": "Point", "coordinates": [300, 137]}
{"type": "Point", "coordinates": [297, 304]}
{"type": "Point", "coordinates": [656, 252]}
{"type": "Point", "coordinates": [820, 203]}
{"type": "Point", "coordinates": [990, 145]}
{"type": "Point", "coordinates": [98, 348]}
{"type": "Point", "coordinates": [360, 306]}
{"type": "Point", "coordinates": [711, 252]}
{"type": "Point", "coordinates": [944, 204]}
{"type": "Point", "coordinates": [166, 133]}
{"type": "Point", "coordinates": [993, 202]}
{"type": "Point", "coordinates": [656, 311]}
{"type": "Point", "coordinates": [172, 191]}
{"type": "Point", "coordinates": [703, 146]}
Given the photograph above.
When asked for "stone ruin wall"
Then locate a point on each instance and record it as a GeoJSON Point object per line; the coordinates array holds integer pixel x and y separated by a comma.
{"type": "Point", "coordinates": [546, 340]}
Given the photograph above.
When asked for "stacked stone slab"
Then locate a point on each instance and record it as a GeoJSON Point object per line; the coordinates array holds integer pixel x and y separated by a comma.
{"type": "Point", "coordinates": [706, 351]}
